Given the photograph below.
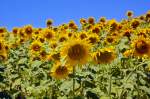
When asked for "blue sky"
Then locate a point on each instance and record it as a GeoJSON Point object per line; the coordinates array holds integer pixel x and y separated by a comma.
{"type": "Point", "coordinates": [16, 13]}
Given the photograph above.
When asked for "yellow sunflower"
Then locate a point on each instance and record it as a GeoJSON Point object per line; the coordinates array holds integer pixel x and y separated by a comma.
{"type": "Point", "coordinates": [3, 56]}
{"type": "Point", "coordinates": [36, 46]}
{"type": "Point", "coordinates": [76, 51]}
{"type": "Point", "coordinates": [93, 38]}
{"type": "Point", "coordinates": [104, 56]}
{"type": "Point", "coordinates": [141, 46]}
{"type": "Point", "coordinates": [60, 71]}
{"type": "Point", "coordinates": [28, 29]}
{"type": "Point", "coordinates": [43, 55]}
{"type": "Point", "coordinates": [82, 35]}
{"type": "Point", "coordinates": [47, 33]}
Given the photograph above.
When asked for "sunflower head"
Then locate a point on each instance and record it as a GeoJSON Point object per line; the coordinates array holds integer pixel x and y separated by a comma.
{"type": "Point", "coordinates": [15, 31]}
{"type": "Point", "coordinates": [49, 22]}
{"type": "Point", "coordinates": [83, 21]}
{"type": "Point", "coordinates": [129, 13]}
{"type": "Point", "coordinates": [60, 71]}
{"type": "Point", "coordinates": [141, 47]}
{"type": "Point", "coordinates": [36, 46]}
{"type": "Point", "coordinates": [76, 51]}
{"type": "Point", "coordinates": [135, 23]}
{"type": "Point", "coordinates": [49, 34]}
{"type": "Point", "coordinates": [43, 55]}
{"type": "Point", "coordinates": [72, 25]}
{"type": "Point", "coordinates": [91, 20]}
{"type": "Point", "coordinates": [82, 35]}
{"type": "Point", "coordinates": [93, 38]}
{"type": "Point", "coordinates": [104, 56]}
{"type": "Point", "coordinates": [28, 30]}
{"type": "Point", "coordinates": [102, 20]}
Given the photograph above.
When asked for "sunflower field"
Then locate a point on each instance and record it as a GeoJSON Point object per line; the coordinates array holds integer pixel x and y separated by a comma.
{"type": "Point", "coordinates": [103, 59]}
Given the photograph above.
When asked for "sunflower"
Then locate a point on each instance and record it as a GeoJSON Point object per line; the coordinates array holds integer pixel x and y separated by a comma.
{"type": "Point", "coordinates": [110, 40]}
{"type": "Point", "coordinates": [3, 31]}
{"type": "Point", "coordinates": [15, 31]}
{"type": "Point", "coordinates": [60, 71]}
{"type": "Point", "coordinates": [36, 46]}
{"type": "Point", "coordinates": [113, 24]}
{"type": "Point", "coordinates": [53, 44]}
{"type": "Point", "coordinates": [72, 25]}
{"type": "Point", "coordinates": [129, 14]}
{"type": "Point", "coordinates": [3, 56]}
{"type": "Point", "coordinates": [104, 56]}
{"type": "Point", "coordinates": [135, 23]}
{"type": "Point", "coordinates": [93, 38]}
{"type": "Point", "coordinates": [55, 56]}
{"type": "Point", "coordinates": [49, 23]}
{"type": "Point", "coordinates": [102, 20]}
{"type": "Point", "coordinates": [141, 46]}
{"type": "Point", "coordinates": [76, 51]}
{"type": "Point", "coordinates": [82, 35]}
{"type": "Point", "coordinates": [96, 29]}
{"type": "Point", "coordinates": [28, 29]}
{"type": "Point", "coordinates": [43, 55]}
{"type": "Point", "coordinates": [49, 34]}
{"type": "Point", "coordinates": [62, 38]}
{"type": "Point", "coordinates": [83, 21]}
{"type": "Point", "coordinates": [91, 20]}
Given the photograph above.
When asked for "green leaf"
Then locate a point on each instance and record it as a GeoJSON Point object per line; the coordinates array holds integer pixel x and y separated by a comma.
{"type": "Point", "coordinates": [36, 63]}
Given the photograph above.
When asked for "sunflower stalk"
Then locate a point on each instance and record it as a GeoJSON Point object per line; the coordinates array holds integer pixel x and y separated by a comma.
{"type": "Point", "coordinates": [73, 81]}
{"type": "Point", "coordinates": [110, 83]}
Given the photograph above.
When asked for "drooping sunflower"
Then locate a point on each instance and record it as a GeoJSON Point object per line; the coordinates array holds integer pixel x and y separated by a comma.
{"type": "Point", "coordinates": [104, 56]}
{"type": "Point", "coordinates": [76, 51]}
{"type": "Point", "coordinates": [60, 71]}
{"type": "Point", "coordinates": [141, 46]}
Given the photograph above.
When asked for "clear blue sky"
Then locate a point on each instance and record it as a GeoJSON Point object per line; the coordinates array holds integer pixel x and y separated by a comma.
{"type": "Point", "coordinates": [35, 12]}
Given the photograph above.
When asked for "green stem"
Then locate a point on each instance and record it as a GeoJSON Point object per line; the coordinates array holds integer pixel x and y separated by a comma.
{"type": "Point", "coordinates": [110, 83]}
{"type": "Point", "coordinates": [73, 81]}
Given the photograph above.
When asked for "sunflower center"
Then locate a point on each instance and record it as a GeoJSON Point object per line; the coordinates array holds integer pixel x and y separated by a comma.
{"type": "Point", "coordinates": [28, 30]}
{"type": "Point", "coordinates": [92, 40]}
{"type": "Point", "coordinates": [1, 30]}
{"type": "Point", "coordinates": [96, 30]}
{"type": "Point", "coordinates": [110, 40]}
{"type": "Point", "coordinates": [82, 36]}
{"type": "Point", "coordinates": [36, 47]}
{"type": "Point", "coordinates": [61, 70]}
{"type": "Point", "coordinates": [43, 54]}
{"type": "Point", "coordinates": [141, 47]}
{"type": "Point", "coordinates": [76, 52]}
{"type": "Point", "coordinates": [62, 39]}
{"type": "Point", "coordinates": [49, 35]}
